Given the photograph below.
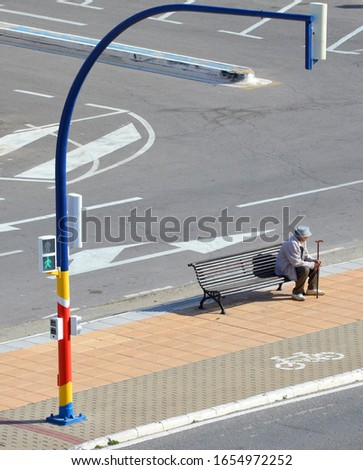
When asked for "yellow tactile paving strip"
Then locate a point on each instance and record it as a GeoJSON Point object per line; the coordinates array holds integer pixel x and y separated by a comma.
{"type": "Point", "coordinates": [174, 341]}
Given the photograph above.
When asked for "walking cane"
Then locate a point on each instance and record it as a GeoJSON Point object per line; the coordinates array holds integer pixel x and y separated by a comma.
{"type": "Point", "coordinates": [317, 275]}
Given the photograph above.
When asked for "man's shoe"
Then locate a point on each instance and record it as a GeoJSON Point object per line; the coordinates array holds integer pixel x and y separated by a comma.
{"type": "Point", "coordinates": [314, 292]}
{"type": "Point", "coordinates": [298, 297]}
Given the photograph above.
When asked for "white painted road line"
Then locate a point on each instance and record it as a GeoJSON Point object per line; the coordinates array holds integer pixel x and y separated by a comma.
{"type": "Point", "coordinates": [167, 15]}
{"type": "Point", "coordinates": [344, 39]}
{"type": "Point", "coordinates": [11, 253]}
{"type": "Point", "coordinates": [260, 23]}
{"type": "Point", "coordinates": [40, 17]}
{"type": "Point", "coordinates": [27, 180]}
{"type": "Point", "coordinates": [114, 203]}
{"type": "Point", "coordinates": [9, 226]}
{"type": "Point", "coordinates": [333, 250]}
{"type": "Point", "coordinates": [26, 92]}
{"type": "Point", "coordinates": [304, 193]}
{"type": "Point", "coordinates": [85, 4]}
{"type": "Point", "coordinates": [146, 292]}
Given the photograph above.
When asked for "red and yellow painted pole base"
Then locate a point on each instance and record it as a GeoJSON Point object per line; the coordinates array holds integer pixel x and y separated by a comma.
{"type": "Point", "coordinates": [66, 414]}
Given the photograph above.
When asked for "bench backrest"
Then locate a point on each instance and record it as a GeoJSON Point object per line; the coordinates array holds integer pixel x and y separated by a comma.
{"type": "Point", "coordinates": [244, 266]}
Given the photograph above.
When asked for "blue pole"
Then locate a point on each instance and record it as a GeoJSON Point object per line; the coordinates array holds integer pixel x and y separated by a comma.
{"type": "Point", "coordinates": [309, 45]}
{"type": "Point", "coordinates": [66, 414]}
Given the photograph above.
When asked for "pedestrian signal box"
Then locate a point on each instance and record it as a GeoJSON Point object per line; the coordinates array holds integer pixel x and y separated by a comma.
{"type": "Point", "coordinates": [47, 250]}
{"type": "Point", "coordinates": [56, 328]}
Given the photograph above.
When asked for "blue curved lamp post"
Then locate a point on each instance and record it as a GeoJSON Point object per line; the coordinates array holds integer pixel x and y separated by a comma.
{"type": "Point", "coordinates": [66, 414]}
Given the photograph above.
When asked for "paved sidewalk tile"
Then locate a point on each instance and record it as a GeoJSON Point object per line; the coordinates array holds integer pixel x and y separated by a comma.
{"type": "Point", "coordinates": [137, 372]}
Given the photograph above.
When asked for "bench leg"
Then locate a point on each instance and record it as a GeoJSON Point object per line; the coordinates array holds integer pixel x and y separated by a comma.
{"type": "Point", "coordinates": [219, 302]}
{"type": "Point", "coordinates": [286, 279]}
{"type": "Point", "coordinates": [202, 301]}
{"type": "Point", "coordinates": [215, 296]}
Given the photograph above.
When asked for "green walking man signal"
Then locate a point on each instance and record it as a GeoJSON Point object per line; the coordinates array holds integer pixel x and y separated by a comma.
{"type": "Point", "coordinates": [47, 250]}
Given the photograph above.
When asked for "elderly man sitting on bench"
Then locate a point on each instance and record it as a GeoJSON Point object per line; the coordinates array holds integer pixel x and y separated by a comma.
{"type": "Point", "coordinates": [294, 262]}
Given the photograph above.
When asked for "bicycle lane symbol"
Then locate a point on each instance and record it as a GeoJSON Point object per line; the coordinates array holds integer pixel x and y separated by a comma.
{"type": "Point", "coordinates": [298, 360]}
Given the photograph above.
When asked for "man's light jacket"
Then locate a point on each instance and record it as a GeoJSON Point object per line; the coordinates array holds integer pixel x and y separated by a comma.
{"type": "Point", "coordinates": [290, 257]}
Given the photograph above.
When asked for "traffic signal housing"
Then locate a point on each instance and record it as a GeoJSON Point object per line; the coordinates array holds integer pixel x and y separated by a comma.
{"type": "Point", "coordinates": [47, 252]}
{"type": "Point", "coordinates": [75, 324]}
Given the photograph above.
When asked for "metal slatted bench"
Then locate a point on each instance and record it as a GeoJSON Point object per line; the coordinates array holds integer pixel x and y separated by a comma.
{"type": "Point", "coordinates": [249, 271]}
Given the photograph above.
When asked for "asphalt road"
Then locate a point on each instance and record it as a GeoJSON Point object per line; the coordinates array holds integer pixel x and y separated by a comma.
{"type": "Point", "coordinates": [187, 153]}
{"type": "Point", "coordinates": [328, 421]}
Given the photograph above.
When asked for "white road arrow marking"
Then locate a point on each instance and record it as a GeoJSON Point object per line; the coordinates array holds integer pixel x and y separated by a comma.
{"type": "Point", "coordinates": [88, 153]}
{"type": "Point", "coordinates": [217, 244]}
{"type": "Point", "coordinates": [20, 138]}
{"type": "Point", "coordinates": [102, 258]}
{"type": "Point", "coordinates": [11, 142]}
{"type": "Point", "coordinates": [94, 259]}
